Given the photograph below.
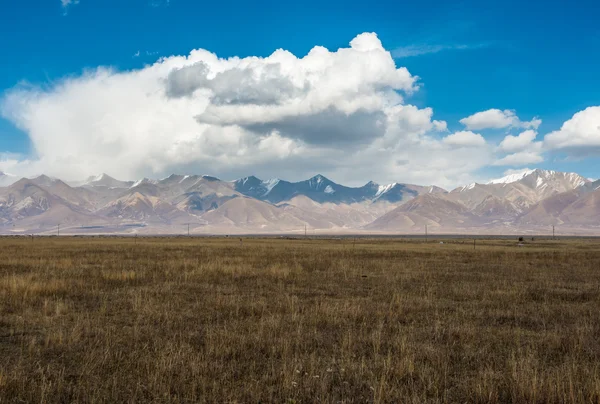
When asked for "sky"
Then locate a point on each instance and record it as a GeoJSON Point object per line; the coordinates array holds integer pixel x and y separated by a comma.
{"type": "Point", "coordinates": [417, 92]}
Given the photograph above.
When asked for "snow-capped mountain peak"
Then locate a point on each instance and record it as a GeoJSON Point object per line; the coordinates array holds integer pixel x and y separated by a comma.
{"type": "Point", "coordinates": [383, 189]}
{"type": "Point", "coordinates": [105, 180]}
{"type": "Point", "coordinates": [577, 179]}
{"type": "Point", "coordinates": [318, 181]}
{"type": "Point", "coordinates": [172, 177]}
{"type": "Point", "coordinates": [511, 178]}
{"type": "Point", "coordinates": [468, 187]}
{"type": "Point", "coordinates": [99, 178]}
{"type": "Point", "coordinates": [248, 180]}
{"type": "Point", "coordinates": [138, 182]}
{"type": "Point", "coordinates": [270, 184]}
{"type": "Point", "coordinates": [539, 178]}
{"type": "Point", "coordinates": [143, 181]}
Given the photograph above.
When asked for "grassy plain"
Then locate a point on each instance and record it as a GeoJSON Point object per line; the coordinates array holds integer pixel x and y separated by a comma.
{"type": "Point", "coordinates": [298, 321]}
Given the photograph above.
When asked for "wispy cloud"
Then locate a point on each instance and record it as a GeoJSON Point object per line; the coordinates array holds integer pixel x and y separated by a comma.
{"type": "Point", "coordinates": [158, 3]}
{"type": "Point", "coordinates": [67, 3]}
{"type": "Point", "coordinates": [139, 53]}
{"type": "Point", "coordinates": [424, 49]}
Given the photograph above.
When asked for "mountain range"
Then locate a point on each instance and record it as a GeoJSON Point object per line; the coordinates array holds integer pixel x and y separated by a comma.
{"type": "Point", "coordinates": [530, 202]}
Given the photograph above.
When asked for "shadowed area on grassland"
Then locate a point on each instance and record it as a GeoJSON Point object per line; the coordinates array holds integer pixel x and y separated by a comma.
{"type": "Point", "coordinates": [273, 320]}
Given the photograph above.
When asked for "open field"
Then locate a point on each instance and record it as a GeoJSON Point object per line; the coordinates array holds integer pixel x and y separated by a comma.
{"type": "Point", "coordinates": [271, 320]}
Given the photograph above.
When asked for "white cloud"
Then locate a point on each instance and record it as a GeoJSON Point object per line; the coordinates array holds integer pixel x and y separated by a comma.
{"type": "Point", "coordinates": [519, 159]}
{"type": "Point", "coordinates": [465, 139]}
{"type": "Point", "coordinates": [522, 142]}
{"type": "Point", "coordinates": [534, 123]}
{"type": "Point", "coordinates": [580, 132]}
{"type": "Point", "coordinates": [490, 119]}
{"type": "Point", "coordinates": [517, 171]}
{"type": "Point", "coordinates": [67, 3]}
{"type": "Point", "coordinates": [425, 49]}
{"type": "Point", "coordinates": [139, 53]}
{"type": "Point", "coordinates": [341, 113]}
{"type": "Point", "coordinates": [523, 149]}
{"type": "Point", "coordinates": [440, 126]}
{"type": "Point", "coordinates": [497, 119]}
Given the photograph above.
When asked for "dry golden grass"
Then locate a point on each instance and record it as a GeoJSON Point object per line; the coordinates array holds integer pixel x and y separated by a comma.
{"type": "Point", "coordinates": [290, 321]}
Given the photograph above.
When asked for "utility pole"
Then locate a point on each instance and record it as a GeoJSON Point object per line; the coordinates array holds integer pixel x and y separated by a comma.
{"type": "Point", "coordinates": [188, 229]}
{"type": "Point", "coordinates": [58, 230]}
{"type": "Point", "coordinates": [553, 238]}
{"type": "Point", "coordinates": [305, 235]}
{"type": "Point", "coordinates": [426, 235]}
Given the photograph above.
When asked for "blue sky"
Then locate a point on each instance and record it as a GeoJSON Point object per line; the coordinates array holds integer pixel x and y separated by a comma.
{"type": "Point", "coordinates": [538, 59]}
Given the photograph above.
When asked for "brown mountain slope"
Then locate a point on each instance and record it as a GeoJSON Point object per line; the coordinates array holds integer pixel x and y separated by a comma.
{"type": "Point", "coordinates": [147, 209]}
{"type": "Point", "coordinates": [80, 197]}
{"type": "Point", "coordinates": [548, 211]}
{"type": "Point", "coordinates": [434, 210]}
{"type": "Point", "coordinates": [247, 214]}
{"type": "Point", "coordinates": [584, 211]}
{"type": "Point", "coordinates": [26, 204]}
{"type": "Point", "coordinates": [494, 208]}
{"type": "Point", "coordinates": [341, 215]}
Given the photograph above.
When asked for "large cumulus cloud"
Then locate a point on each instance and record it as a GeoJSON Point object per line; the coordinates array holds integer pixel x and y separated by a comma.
{"type": "Point", "coordinates": [579, 135]}
{"type": "Point", "coordinates": [497, 119]}
{"type": "Point", "coordinates": [342, 113]}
